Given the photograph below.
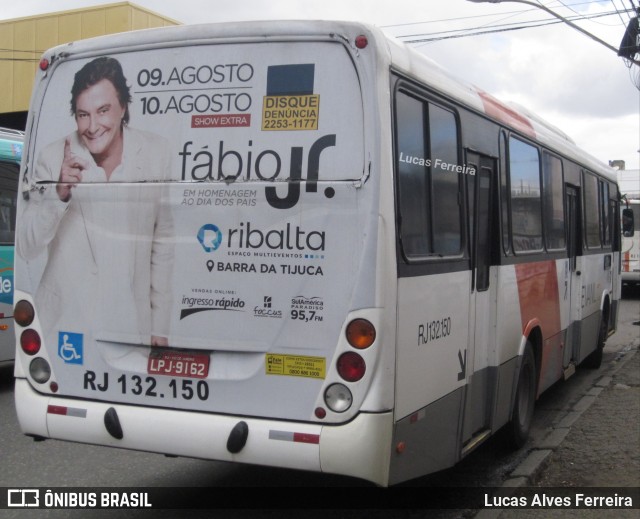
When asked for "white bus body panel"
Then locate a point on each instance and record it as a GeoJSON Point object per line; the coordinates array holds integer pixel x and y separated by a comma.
{"type": "Point", "coordinates": [330, 449]}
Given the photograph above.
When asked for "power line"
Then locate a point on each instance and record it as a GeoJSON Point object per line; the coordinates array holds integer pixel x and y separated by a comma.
{"type": "Point", "coordinates": [570, 8]}
{"type": "Point", "coordinates": [482, 33]}
{"type": "Point", "coordinates": [460, 18]}
{"type": "Point", "coordinates": [624, 22]}
{"type": "Point", "coordinates": [435, 36]}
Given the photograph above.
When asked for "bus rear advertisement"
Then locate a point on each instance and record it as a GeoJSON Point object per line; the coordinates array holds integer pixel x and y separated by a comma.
{"type": "Point", "coordinates": [298, 244]}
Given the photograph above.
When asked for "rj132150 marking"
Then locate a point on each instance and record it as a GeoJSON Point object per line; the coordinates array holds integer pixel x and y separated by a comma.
{"type": "Point", "coordinates": [148, 386]}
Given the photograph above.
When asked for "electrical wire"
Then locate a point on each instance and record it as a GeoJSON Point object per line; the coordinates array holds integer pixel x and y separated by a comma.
{"type": "Point", "coordinates": [454, 33]}
{"type": "Point", "coordinates": [615, 7]}
{"type": "Point", "coordinates": [520, 11]}
{"type": "Point", "coordinates": [624, 22]}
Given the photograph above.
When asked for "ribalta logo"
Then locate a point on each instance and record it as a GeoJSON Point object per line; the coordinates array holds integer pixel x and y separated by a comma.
{"type": "Point", "coordinates": [210, 237]}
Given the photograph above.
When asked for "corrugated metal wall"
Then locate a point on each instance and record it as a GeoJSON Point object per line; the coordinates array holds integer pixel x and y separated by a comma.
{"type": "Point", "coordinates": [22, 41]}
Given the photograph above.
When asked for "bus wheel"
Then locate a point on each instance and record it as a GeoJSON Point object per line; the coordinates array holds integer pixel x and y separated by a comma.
{"type": "Point", "coordinates": [522, 415]}
{"type": "Point", "coordinates": [594, 360]}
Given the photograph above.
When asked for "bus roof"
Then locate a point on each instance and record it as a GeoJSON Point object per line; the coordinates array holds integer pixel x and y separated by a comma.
{"type": "Point", "coordinates": [393, 53]}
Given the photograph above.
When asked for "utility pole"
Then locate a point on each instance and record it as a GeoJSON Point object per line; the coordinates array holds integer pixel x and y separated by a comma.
{"type": "Point", "coordinates": [630, 44]}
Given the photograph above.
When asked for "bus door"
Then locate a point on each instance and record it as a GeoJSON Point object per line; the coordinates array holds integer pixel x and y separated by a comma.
{"type": "Point", "coordinates": [481, 348]}
{"type": "Point", "coordinates": [574, 247]}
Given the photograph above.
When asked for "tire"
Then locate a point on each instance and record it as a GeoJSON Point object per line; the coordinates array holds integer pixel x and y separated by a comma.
{"type": "Point", "coordinates": [594, 360]}
{"type": "Point", "coordinates": [517, 429]}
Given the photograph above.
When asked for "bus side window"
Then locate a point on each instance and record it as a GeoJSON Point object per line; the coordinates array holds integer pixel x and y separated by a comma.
{"type": "Point", "coordinates": [8, 193]}
{"type": "Point", "coordinates": [605, 231]}
{"type": "Point", "coordinates": [504, 196]}
{"type": "Point", "coordinates": [591, 209]}
{"type": "Point", "coordinates": [526, 206]}
{"type": "Point", "coordinates": [553, 201]}
{"type": "Point", "coordinates": [428, 179]}
{"type": "Point", "coordinates": [627, 223]}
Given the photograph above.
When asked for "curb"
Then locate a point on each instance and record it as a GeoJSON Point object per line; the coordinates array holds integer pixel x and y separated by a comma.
{"type": "Point", "coordinates": [526, 472]}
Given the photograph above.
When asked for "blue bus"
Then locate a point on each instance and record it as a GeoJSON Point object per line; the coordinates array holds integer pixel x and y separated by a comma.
{"type": "Point", "coordinates": [11, 142]}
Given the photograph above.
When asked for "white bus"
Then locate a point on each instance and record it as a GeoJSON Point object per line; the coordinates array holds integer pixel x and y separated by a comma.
{"type": "Point", "coordinates": [629, 185]}
{"type": "Point", "coordinates": [631, 242]}
{"type": "Point", "coordinates": [298, 244]}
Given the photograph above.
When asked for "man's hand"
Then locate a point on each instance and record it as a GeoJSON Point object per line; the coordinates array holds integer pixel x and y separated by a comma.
{"type": "Point", "coordinates": [70, 172]}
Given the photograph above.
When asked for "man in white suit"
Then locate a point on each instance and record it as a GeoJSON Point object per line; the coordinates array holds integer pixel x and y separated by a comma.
{"type": "Point", "coordinates": [103, 218]}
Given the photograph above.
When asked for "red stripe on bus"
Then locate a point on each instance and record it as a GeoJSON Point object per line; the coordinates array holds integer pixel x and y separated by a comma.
{"type": "Point", "coordinates": [540, 306]}
{"type": "Point", "coordinates": [57, 409]}
{"type": "Point", "coordinates": [539, 296]}
{"type": "Point", "coordinates": [306, 438]}
{"type": "Point", "coordinates": [502, 112]}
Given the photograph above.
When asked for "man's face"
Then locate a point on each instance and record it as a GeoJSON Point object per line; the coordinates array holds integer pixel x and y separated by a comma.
{"type": "Point", "coordinates": [99, 117]}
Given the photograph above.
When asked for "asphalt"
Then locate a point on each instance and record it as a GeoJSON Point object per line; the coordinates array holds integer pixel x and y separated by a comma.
{"type": "Point", "coordinates": [595, 444]}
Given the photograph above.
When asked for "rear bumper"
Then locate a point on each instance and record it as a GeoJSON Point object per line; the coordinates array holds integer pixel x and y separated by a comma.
{"type": "Point", "coordinates": [631, 277]}
{"type": "Point", "coordinates": [359, 448]}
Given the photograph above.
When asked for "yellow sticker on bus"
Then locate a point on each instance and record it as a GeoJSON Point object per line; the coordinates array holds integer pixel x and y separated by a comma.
{"type": "Point", "coordinates": [295, 365]}
{"type": "Point", "coordinates": [296, 112]}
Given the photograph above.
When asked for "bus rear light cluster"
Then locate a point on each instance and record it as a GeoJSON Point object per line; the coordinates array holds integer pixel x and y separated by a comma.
{"type": "Point", "coordinates": [30, 342]}
{"type": "Point", "coordinates": [351, 366]}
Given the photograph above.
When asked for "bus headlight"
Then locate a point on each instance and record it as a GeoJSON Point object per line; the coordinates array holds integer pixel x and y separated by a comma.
{"type": "Point", "coordinates": [40, 370]}
{"type": "Point", "coordinates": [338, 398]}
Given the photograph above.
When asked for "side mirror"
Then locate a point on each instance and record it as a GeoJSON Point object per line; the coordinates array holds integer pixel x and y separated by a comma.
{"type": "Point", "coordinates": [627, 223]}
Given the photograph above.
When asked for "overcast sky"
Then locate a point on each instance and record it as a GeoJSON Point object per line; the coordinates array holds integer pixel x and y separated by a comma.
{"type": "Point", "coordinates": [575, 83]}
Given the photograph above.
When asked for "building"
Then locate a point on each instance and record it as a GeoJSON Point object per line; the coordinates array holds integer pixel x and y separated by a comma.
{"type": "Point", "coordinates": [23, 40]}
{"type": "Point", "coordinates": [629, 181]}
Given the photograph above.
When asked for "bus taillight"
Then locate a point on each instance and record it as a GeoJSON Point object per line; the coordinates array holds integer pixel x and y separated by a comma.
{"type": "Point", "coordinates": [351, 366]}
{"type": "Point", "coordinates": [361, 334]}
{"type": "Point", "coordinates": [23, 313]}
{"type": "Point", "coordinates": [30, 342]}
{"type": "Point", "coordinates": [361, 41]}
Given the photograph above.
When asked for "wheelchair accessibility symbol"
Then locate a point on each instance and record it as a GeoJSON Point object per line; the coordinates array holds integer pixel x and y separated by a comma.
{"type": "Point", "coordinates": [70, 347]}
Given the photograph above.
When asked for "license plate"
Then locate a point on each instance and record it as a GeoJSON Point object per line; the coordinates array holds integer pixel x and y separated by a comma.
{"type": "Point", "coordinates": [178, 364]}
